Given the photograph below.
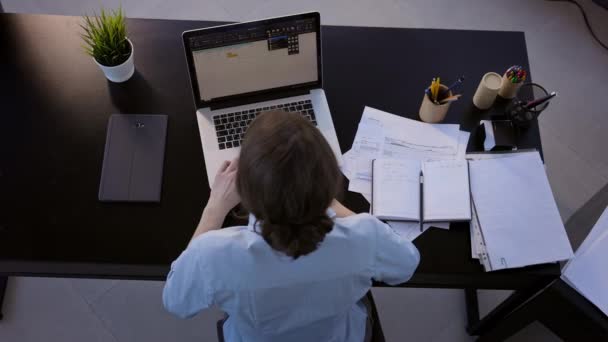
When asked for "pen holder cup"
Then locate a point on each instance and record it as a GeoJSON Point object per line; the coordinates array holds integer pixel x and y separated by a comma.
{"type": "Point", "coordinates": [432, 112]}
{"type": "Point", "coordinates": [518, 112]}
{"type": "Point", "coordinates": [487, 90]}
{"type": "Point", "coordinates": [508, 89]}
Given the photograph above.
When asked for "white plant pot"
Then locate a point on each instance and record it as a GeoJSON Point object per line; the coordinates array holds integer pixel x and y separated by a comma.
{"type": "Point", "coordinates": [119, 73]}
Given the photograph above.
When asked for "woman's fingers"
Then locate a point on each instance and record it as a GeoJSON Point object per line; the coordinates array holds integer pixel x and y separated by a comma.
{"type": "Point", "coordinates": [234, 164]}
{"type": "Point", "coordinates": [224, 166]}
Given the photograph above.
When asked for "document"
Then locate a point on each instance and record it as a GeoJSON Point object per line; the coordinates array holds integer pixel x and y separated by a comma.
{"type": "Point", "coordinates": [408, 230]}
{"type": "Point", "coordinates": [498, 154]}
{"type": "Point", "coordinates": [447, 194]}
{"type": "Point", "coordinates": [518, 217]}
{"type": "Point", "coordinates": [385, 135]}
{"type": "Point", "coordinates": [396, 190]}
{"type": "Point", "coordinates": [475, 231]}
{"type": "Point", "coordinates": [587, 272]}
{"type": "Point", "coordinates": [411, 230]}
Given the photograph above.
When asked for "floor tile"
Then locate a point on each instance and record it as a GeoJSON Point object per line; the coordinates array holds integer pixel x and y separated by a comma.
{"type": "Point", "coordinates": [535, 332]}
{"type": "Point", "coordinates": [133, 312]}
{"type": "Point", "coordinates": [420, 314]}
{"type": "Point", "coordinates": [238, 9]}
{"type": "Point", "coordinates": [572, 180]}
{"type": "Point", "coordinates": [577, 116]}
{"type": "Point", "coordinates": [176, 9]}
{"type": "Point", "coordinates": [453, 332]}
{"type": "Point", "coordinates": [48, 309]}
{"type": "Point", "coordinates": [476, 14]}
{"type": "Point", "coordinates": [338, 12]}
{"type": "Point", "coordinates": [91, 289]}
{"type": "Point", "coordinates": [179, 9]}
{"type": "Point", "coordinates": [489, 299]}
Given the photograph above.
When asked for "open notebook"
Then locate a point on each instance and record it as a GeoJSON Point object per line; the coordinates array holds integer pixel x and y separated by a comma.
{"type": "Point", "coordinates": [445, 190]}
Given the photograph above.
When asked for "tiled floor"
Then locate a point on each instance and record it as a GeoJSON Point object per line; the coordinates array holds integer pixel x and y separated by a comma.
{"type": "Point", "coordinates": [563, 57]}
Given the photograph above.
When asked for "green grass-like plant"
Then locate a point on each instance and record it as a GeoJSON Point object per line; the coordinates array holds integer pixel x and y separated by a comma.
{"type": "Point", "coordinates": [105, 37]}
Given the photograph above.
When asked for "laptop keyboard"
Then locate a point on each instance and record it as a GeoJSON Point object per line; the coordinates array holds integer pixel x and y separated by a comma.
{"type": "Point", "coordinates": [230, 128]}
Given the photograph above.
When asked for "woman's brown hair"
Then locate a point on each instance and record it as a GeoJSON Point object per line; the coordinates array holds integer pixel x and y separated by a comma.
{"type": "Point", "coordinates": [287, 178]}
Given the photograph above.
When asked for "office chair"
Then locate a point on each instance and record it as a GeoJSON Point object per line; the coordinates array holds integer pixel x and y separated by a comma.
{"type": "Point", "coordinates": [559, 307]}
{"type": "Point", "coordinates": [377, 334]}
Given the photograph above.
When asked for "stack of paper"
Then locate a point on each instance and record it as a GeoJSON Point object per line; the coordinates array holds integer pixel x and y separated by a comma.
{"type": "Point", "coordinates": [411, 230]}
{"type": "Point", "coordinates": [385, 135]}
{"type": "Point", "coordinates": [478, 247]}
{"type": "Point", "coordinates": [515, 219]}
{"type": "Point", "coordinates": [396, 190]}
{"type": "Point", "coordinates": [587, 272]}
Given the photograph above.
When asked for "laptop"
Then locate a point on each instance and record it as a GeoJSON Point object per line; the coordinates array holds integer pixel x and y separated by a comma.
{"type": "Point", "coordinates": [237, 71]}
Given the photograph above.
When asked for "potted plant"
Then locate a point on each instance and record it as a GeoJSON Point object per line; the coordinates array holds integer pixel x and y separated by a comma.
{"type": "Point", "coordinates": [105, 39]}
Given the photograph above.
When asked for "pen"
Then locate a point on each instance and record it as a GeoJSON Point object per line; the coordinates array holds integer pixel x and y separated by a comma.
{"type": "Point", "coordinates": [429, 90]}
{"type": "Point", "coordinates": [421, 199]}
{"type": "Point", "coordinates": [454, 85]}
{"type": "Point", "coordinates": [540, 101]}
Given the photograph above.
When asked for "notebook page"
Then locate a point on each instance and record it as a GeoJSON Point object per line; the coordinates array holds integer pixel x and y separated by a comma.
{"type": "Point", "coordinates": [396, 189]}
{"type": "Point", "coordinates": [587, 271]}
{"type": "Point", "coordinates": [518, 216]}
{"type": "Point", "coordinates": [446, 190]}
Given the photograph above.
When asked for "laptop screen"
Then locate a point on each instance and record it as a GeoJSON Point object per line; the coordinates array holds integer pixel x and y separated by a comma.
{"type": "Point", "coordinates": [253, 57]}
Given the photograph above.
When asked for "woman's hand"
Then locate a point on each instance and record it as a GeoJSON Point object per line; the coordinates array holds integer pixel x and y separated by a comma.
{"type": "Point", "coordinates": [340, 209]}
{"type": "Point", "coordinates": [223, 198]}
{"type": "Point", "coordinates": [223, 191]}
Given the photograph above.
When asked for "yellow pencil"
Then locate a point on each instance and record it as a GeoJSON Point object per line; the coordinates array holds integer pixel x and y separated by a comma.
{"type": "Point", "coordinates": [437, 88]}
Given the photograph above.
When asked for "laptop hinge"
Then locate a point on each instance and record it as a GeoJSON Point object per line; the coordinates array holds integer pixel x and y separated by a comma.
{"type": "Point", "coordinates": [259, 98]}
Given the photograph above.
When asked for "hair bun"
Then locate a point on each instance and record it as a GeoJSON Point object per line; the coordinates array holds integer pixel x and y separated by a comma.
{"type": "Point", "coordinates": [299, 238]}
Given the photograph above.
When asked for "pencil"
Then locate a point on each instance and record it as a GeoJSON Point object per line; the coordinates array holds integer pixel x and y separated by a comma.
{"type": "Point", "coordinates": [450, 99]}
{"type": "Point", "coordinates": [421, 179]}
{"type": "Point", "coordinates": [437, 88]}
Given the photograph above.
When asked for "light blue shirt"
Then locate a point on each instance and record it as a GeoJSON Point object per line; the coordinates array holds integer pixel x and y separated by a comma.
{"type": "Point", "coordinates": [272, 297]}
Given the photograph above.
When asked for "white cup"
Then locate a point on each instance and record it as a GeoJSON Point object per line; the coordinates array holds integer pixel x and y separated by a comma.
{"type": "Point", "coordinates": [487, 90]}
{"type": "Point", "coordinates": [119, 73]}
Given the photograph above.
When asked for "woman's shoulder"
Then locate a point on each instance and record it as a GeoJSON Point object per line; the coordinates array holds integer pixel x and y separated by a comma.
{"type": "Point", "coordinates": [221, 238]}
{"type": "Point", "coordinates": [363, 223]}
{"type": "Point", "coordinates": [358, 219]}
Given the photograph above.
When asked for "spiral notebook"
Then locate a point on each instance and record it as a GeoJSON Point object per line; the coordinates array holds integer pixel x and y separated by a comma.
{"type": "Point", "coordinates": [445, 190]}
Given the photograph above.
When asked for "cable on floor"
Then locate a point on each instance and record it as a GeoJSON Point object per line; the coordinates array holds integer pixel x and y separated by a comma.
{"type": "Point", "coordinates": [586, 20]}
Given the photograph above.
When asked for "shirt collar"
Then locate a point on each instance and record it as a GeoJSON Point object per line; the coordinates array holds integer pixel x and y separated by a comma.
{"type": "Point", "coordinates": [254, 224]}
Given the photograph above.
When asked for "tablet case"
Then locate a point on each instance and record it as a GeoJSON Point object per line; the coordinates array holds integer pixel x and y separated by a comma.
{"type": "Point", "coordinates": [133, 159]}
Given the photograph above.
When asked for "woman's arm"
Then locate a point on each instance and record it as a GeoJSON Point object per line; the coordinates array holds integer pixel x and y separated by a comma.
{"type": "Point", "coordinates": [223, 198]}
{"type": "Point", "coordinates": [340, 209]}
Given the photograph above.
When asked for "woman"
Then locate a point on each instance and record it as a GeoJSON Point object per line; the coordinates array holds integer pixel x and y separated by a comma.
{"type": "Point", "coordinates": [299, 269]}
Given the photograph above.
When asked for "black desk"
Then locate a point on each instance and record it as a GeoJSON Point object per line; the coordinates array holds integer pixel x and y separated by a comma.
{"type": "Point", "coordinates": [55, 107]}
